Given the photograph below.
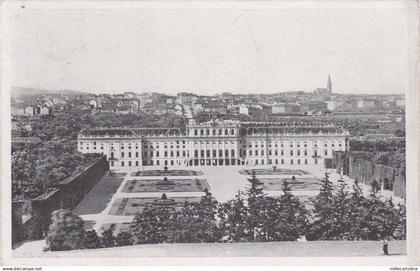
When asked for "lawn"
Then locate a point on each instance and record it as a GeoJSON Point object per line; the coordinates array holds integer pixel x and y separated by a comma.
{"type": "Point", "coordinates": [273, 171]}
{"type": "Point", "coordinates": [131, 206]}
{"type": "Point", "coordinates": [168, 185]}
{"type": "Point", "coordinates": [99, 197]}
{"type": "Point", "coordinates": [170, 172]}
{"type": "Point", "coordinates": [307, 184]}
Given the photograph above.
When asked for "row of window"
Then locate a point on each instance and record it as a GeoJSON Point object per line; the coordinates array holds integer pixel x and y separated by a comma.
{"type": "Point", "coordinates": [136, 163]}
{"type": "Point", "coordinates": [214, 132]}
{"type": "Point", "coordinates": [123, 154]}
{"type": "Point", "coordinates": [250, 145]}
{"type": "Point", "coordinates": [209, 162]}
{"type": "Point", "coordinates": [283, 161]}
{"type": "Point", "coordinates": [213, 153]}
{"type": "Point", "coordinates": [249, 151]}
{"type": "Point", "coordinates": [155, 154]}
{"type": "Point", "coordinates": [166, 154]}
{"type": "Point", "coordinates": [291, 145]}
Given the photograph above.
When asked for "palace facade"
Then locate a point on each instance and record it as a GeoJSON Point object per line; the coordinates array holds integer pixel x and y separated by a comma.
{"type": "Point", "coordinates": [216, 143]}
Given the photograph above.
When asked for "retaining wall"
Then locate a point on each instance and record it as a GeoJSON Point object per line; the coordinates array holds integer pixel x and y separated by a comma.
{"type": "Point", "coordinates": [366, 171]}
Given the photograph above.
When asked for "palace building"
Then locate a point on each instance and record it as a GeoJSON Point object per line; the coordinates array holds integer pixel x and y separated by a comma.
{"type": "Point", "coordinates": [216, 143]}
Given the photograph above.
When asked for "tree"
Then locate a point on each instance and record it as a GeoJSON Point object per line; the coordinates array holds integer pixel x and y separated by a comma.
{"type": "Point", "coordinates": [285, 217]}
{"type": "Point", "coordinates": [206, 208]}
{"type": "Point", "coordinates": [356, 217]}
{"type": "Point", "coordinates": [151, 226]}
{"type": "Point", "coordinates": [255, 200]}
{"type": "Point", "coordinates": [271, 225]}
{"type": "Point", "coordinates": [189, 228]}
{"type": "Point", "coordinates": [381, 218]}
{"type": "Point", "coordinates": [357, 212]}
{"type": "Point", "coordinates": [323, 213]}
{"type": "Point", "coordinates": [108, 239]}
{"type": "Point", "coordinates": [40, 167]}
{"type": "Point", "coordinates": [401, 230]}
{"type": "Point", "coordinates": [123, 238]}
{"type": "Point", "coordinates": [293, 214]}
{"type": "Point", "coordinates": [255, 190]}
{"type": "Point", "coordinates": [65, 232]}
{"type": "Point", "coordinates": [340, 229]}
{"type": "Point", "coordinates": [93, 240]}
{"type": "Point", "coordinates": [232, 216]}
{"type": "Point", "coordinates": [196, 222]}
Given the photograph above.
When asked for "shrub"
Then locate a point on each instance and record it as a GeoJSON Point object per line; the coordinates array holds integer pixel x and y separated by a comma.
{"type": "Point", "coordinates": [65, 232]}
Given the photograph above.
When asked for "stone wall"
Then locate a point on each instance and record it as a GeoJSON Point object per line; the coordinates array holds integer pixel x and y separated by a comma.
{"type": "Point", "coordinates": [65, 196]}
{"type": "Point", "coordinates": [21, 220]}
{"type": "Point", "coordinates": [366, 171]}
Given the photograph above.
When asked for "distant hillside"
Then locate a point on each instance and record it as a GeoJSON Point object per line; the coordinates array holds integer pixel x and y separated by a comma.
{"type": "Point", "coordinates": [24, 91]}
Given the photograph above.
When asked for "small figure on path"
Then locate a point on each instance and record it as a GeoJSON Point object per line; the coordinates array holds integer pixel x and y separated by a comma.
{"type": "Point", "coordinates": [385, 246]}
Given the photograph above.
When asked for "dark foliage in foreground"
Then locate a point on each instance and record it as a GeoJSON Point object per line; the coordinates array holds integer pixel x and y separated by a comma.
{"type": "Point", "coordinates": [93, 240]}
{"type": "Point", "coordinates": [349, 215]}
{"type": "Point", "coordinates": [66, 232]}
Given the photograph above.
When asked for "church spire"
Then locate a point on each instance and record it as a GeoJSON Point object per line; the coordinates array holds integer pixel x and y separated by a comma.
{"type": "Point", "coordinates": [329, 86]}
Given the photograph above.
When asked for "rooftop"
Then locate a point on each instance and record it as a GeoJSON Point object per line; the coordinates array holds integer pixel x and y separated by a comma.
{"type": "Point", "coordinates": [295, 127]}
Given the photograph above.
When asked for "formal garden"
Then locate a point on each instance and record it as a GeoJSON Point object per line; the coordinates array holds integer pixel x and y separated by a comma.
{"type": "Point", "coordinates": [165, 185]}
{"type": "Point", "coordinates": [132, 206]}
{"type": "Point", "coordinates": [296, 184]}
{"type": "Point", "coordinates": [166, 172]}
{"type": "Point", "coordinates": [273, 171]}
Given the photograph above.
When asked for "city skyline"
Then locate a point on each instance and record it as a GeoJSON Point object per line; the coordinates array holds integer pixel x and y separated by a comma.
{"type": "Point", "coordinates": [40, 91]}
{"type": "Point", "coordinates": [203, 51]}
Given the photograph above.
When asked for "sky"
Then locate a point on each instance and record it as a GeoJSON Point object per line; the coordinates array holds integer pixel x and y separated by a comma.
{"type": "Point", "coordinates": [208, 51]}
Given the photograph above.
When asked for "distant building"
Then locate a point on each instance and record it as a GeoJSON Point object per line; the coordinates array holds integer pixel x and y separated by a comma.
{"type": "Point", "coordinates": [16, 110]}
{"type": "Point", "coordinates": [325, 91]}
{"type": "Point", "coordinates": [26, 140]}
{"type": "Point", "coordinates": [243, 109]}
{"type": "Point", "coordinates": [317, 99]}
{"type": "Point", "coordinates": [215, 107]}
{"type": "Point", "coordinates": [129, 95]}
{"type": "Point", "coordinates": [185, 98]}
{"type": "Point", "coordinates": [400, 102]}
{"type": "Point", "coordinates": [93, 103]}
{"type": "Point", "coordinates": [332, 105]}
{"type": "Point", "coordinates": [29, 110]}
{"type": "Point", "coordinates": [374, 137]}
{"type": "Point", "coordinates": [42, 110]}
{"type": "Point", "coordinates": [125, 109]}
{"type": "Point", "coordinates": [164, 109]}
{"type": "Point", "coordinates": [37, 110]}
{"type": "Point", "coordinates": [365, 103]}
{"type": "Point", "coordinates": [227, 96]}
{"type": "Point", "coordinates": [313, 108]}
{"type": "Point", "coordinates": [284, 108]}
{"type": "Point", "coordinates": [197, 108]}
